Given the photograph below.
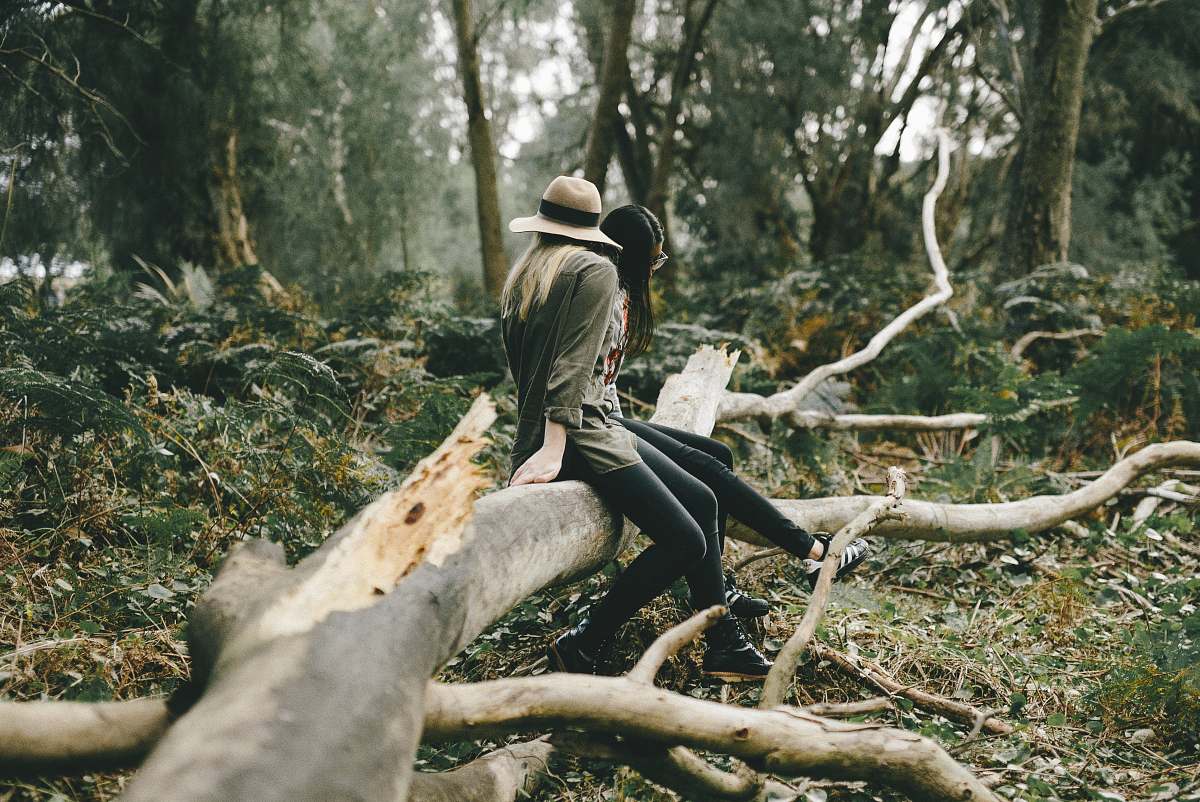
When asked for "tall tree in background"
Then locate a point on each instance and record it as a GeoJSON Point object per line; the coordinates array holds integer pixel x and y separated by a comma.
{"type": "Point", "coordinates": [1039, 227]}
{"type": "Point", "coordinates": [801, 117]}
{"type": "Point", "coordinates": [614, 74]}
{"type": "Point", "coordinates": [655, 91]}
{"type": "Point", "coordinates": [479, 132]}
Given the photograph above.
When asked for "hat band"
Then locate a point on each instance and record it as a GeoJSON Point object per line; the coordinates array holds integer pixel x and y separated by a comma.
{"type": "Point", "coordinates": [565, 214]}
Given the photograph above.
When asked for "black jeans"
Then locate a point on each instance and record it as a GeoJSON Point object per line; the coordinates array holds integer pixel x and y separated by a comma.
{"type": "Point", "coordinates": [680, 496]}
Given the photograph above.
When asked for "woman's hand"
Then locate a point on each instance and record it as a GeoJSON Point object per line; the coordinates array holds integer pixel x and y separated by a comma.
{"type": "Point", "coordinates": [543, 466]}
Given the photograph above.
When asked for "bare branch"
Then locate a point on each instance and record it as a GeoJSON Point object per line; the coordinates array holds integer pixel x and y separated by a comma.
{"type": "Point", "coordinates": [761, 554]}
{"type": "Point", "coordinates": [786, 741]}
{"type": "Point", "coordinates": [672, 641]}
{"type": "Point", "coordinates": [1031, 337]}
{"type": "Point", "coordinates": [786, 403]}
{"type": "Point", "coordinates": [40, 736]}
{"type": "Point", "coordinates": [876, 704]}
{"type": "Point", "coordinates": [870, 673]}
{"type": "Point", "coordinates": [509, 773]}
{"type": "Point", "coordinates": [960, 523]}
{"type": "Point", "coordinates": [677, 768]}
{"type": "Point", "coordinates": [813, 419]}
{"type": "Point", "coordinates": [780, 677]}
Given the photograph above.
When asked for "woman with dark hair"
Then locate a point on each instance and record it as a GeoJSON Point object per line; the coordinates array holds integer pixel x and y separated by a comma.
{"type": "Point", "coordinates": [640, 235]}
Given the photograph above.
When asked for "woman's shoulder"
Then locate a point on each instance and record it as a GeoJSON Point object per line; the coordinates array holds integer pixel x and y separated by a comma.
{"type": "Point", "coordinates": [589, 261]}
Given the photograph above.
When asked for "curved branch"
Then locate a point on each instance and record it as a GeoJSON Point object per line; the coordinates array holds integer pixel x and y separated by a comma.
{"type": "Point", "coordinates": [37, 737]}
{"type": "Point", "coordinates": [780, 677]}
{"type": "Point", "coordinates": [672, 641]}
{"type": "Point", "coordinates": [677, 768]}
{"type": "Point", "coordinates": [503, 775]}
{"type": "Point", "coordinates": [812, 419]}
{"type": "Point", "coordinates": [786, 741]}
{"type": "Point", "coordinates": [871, 673]}
{"type": "Point", "coordinates": [925, 520]}
{"type": "Point", "coordinates": [745, 405]}
{"type": "Point", "coordinates": [1029, 338]}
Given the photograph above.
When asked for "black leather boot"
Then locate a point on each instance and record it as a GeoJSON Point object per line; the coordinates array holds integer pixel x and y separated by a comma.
{"type": "Point", "coordinates": [730, 655]}
{"type": "Point", "coordinates": [565, 654]}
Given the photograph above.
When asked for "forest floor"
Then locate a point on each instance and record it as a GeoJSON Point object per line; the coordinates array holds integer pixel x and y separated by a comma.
{"type": "Point", "coordinates": [1086, 644]}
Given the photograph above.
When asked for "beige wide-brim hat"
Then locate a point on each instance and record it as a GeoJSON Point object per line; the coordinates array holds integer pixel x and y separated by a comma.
{"type": "Point", "coordinates": [570, 207]}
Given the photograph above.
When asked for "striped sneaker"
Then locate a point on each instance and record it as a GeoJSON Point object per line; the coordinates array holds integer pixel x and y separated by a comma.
{"type": "Point", "coordinates": [742, 604]}
{"type": "Point", "coordinates": [855, 552]}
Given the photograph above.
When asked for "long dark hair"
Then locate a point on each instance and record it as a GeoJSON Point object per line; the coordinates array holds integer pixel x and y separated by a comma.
{"type": "Point", "coordinates": [637, 231]}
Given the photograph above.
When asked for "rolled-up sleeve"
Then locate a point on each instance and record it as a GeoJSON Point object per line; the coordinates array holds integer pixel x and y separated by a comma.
{"type": "Point", "coordinates": [580, 343]}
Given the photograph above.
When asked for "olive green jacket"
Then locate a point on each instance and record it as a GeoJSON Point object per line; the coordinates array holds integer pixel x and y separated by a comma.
{"type": "Point", "coordinates": [554, 356]}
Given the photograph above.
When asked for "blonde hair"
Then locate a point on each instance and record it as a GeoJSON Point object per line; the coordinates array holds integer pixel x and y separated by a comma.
{"type": "Point", "coordinates": [533, 274]}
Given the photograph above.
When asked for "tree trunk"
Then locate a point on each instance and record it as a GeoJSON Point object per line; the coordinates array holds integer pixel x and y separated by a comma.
{"type": "Point", "coordinates": [234, 244]}
{"type": "Point", "coordinates": [659, 195]}
{"type": "Point", "coordinates": [483, 157]}
{"type": "Point", "coordinates": [612, 80]}
{"type": "Point", "coordinates": [1039, 227]}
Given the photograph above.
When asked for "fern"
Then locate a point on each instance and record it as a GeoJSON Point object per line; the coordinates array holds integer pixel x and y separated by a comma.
{"type": "Point", "coordinates": [1154, 367]}
{"type": "Point", "coordinates": [61, 406]}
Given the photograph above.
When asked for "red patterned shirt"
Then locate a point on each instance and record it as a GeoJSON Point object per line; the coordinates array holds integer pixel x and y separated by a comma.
{"type": "Point", "coordinates": [614, 350]}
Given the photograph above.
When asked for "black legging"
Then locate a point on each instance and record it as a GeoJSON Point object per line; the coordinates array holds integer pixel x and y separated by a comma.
{"type": "Point", "coordinates": [679, 496]}
{"type": "Point", "coordinates": [711, 462]}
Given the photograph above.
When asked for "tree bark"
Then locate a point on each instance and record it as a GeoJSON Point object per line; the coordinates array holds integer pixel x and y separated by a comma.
{"type": "Point", "coordinates": [615, 67]}
{"type": "Point", "coordinates": [1039, 227]}
{"type": "Point", "coordinates": [782, 740]}
{"type": "Point", "coordinates": [234, 244]}
{"type": "Point", "coordinates": [483, 157]}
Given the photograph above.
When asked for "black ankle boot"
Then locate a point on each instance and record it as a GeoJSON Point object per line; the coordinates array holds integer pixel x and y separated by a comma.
{"type": "Point", "coordinates": [741, 604]}
{"type": "Point", "coordinates": [730, 655]}
{"type": "Point", "coordinates": [565, 654]}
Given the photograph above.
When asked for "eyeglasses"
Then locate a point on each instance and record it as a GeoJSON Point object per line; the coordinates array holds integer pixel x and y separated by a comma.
{"type": "Point", "coordinates": [657, 263]}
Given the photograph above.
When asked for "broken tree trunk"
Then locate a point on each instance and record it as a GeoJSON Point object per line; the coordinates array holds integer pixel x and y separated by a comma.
{"type": "Point", "coordinates": [314, 677]}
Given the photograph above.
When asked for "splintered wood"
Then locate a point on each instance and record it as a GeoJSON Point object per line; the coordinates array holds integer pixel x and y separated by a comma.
{"type": "Point", "coordinates": [420, 521]}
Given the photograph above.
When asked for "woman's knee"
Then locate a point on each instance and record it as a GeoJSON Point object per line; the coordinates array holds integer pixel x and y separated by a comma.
{"type": "Point", "coordinates": [692, 533]}
{"type": "Point", "coordinates": [722, 452]}
{"type": "Point", "coordinates": [704, 509]}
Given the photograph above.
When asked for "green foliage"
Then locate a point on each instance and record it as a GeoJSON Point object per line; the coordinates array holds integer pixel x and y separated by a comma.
{"type": "Point", "coordinates": [1151, 373]}
{"type": "Point", "coordinates": [140, 435]}
{"type": "Point", "coordinates": [1155, 683]}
